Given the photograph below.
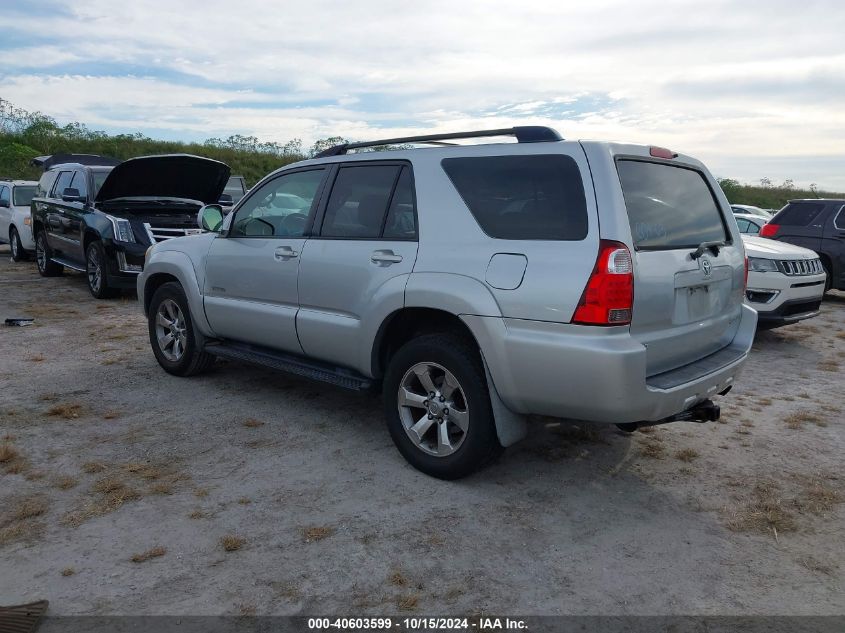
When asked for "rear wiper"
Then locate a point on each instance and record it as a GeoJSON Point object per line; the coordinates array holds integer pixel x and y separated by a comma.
{"type": "Point", "coordinates": [704, 246]}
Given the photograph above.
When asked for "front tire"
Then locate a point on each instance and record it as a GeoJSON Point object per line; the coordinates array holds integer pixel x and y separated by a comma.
{"type": "Point", "coordinates": [172, 336]}
{"type": "Point", "coordinates": [437, 406]}
{"type": "Point", "coordinates": [18, 254]}
{"type": "Point", "coordinates": [46, 266]}
{"type": "Point", "coordinates": [95, 269]}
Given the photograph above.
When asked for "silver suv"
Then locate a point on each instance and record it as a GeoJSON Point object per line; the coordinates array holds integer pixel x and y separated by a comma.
{"type": "Point", "coordinates": [476, 284]}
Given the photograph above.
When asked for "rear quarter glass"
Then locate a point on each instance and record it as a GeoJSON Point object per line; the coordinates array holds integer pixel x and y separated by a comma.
{"type": "Point", "coordinates": [669, 206]}
{"type": "Point", "coordinates": [534, 197]}
{"type": "Point", "coordinates": [798, 213]}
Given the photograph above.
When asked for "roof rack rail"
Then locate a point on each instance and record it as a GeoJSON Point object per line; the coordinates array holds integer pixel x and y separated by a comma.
{"type": "Point", "coordinates": [523, 134]}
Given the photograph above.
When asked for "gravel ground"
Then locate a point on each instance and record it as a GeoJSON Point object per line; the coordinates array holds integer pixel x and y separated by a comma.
{"type": "Point", "coordinates": [124, 490]}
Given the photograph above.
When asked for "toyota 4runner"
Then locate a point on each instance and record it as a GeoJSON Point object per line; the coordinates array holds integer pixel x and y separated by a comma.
{"type": "Point", "coordinates": [476, 284]}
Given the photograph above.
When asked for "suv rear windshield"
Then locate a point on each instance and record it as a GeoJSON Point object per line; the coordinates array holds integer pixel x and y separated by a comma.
{"type": "Point", "coordinates": [799, 213]}
{"type": "Point", "coordinates": [23, 195]}
{"type": "Point", "coordinates": [538, 197]}
{"type": "Point", "coordinates": [669, 207]}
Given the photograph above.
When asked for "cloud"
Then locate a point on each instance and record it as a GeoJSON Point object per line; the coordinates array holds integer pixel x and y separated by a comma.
{"type": "Point", "coordinates": [730, 82]}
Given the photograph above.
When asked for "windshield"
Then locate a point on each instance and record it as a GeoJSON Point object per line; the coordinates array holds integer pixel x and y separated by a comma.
{"type": "Point", "coordinates": [235, 188]}
{"type": "Point", "coordinates": [669, 207]}
{"type": "Point", "coordinates": [99, 179]}
{"type": "Point", "coordinates": [23, 195]}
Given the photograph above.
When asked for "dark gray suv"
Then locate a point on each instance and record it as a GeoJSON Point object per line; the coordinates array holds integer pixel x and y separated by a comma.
{"type": "Point", "coordinates": [817, 224]}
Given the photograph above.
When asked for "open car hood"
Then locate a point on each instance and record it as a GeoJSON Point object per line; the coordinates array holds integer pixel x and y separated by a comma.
{"type": "Point", "coordinates": [167, 176]}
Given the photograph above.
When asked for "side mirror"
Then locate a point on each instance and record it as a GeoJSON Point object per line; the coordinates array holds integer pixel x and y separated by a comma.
{"type": "Point", "coordinates": [225, 200]}
{"type": "Point", "coordinates": [71, 195]}
{"type": "Point", "coordinates": [210, 217]}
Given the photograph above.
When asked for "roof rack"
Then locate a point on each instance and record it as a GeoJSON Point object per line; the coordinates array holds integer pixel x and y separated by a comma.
{"type": "Point", "coordinates": [523, 134]}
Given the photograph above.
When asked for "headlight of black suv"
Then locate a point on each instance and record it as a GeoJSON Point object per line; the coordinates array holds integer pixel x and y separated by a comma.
{"type": "Point", "coordinates": [122, 229]}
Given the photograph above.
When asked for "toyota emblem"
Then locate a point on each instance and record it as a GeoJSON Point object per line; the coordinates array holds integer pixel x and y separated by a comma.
{"type": "Point", "coordinates": [706, 267]}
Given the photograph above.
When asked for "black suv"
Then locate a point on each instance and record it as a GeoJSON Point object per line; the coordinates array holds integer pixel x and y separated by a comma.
{"type": "Point", "coordinates": [817, 224]}
{"type": "Point", "coordinates": [100, 219]}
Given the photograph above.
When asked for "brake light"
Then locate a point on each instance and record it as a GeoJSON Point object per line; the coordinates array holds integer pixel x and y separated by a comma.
{"type": "Point", "coordinates": [769, 230]}
{"type": "Point", "coordinates": [662, 152]}
{"type": "Point", "coordinates": [608, 298]}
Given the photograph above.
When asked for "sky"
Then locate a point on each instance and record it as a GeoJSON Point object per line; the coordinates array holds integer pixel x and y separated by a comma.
{"type": "Point", "coordinates": [754, 89]}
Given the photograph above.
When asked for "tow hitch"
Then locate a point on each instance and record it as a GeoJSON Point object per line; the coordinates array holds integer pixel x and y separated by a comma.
{"type": "Point", "coordinates": [706, 411]}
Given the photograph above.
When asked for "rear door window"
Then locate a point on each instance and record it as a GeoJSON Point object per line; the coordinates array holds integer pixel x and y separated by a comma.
{"type": "Point", "coordinates": [669, 207]}
{"type": "Point", "coordinates": [62, 183]}
{"type": "Point", "coordinates": [359, 199]}
{"type": "Point", "coordinates": [799, 213]}
{"type": "Point", "coordinates": [538, 197]}
{"type": "Point", "coordinates": [4, 195]}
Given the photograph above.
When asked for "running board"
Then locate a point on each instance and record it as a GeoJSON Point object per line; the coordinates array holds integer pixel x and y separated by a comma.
{"type": "Point", "coordinates": [68, 264]}
{"type": "Point", "coordinates": [315, 370]}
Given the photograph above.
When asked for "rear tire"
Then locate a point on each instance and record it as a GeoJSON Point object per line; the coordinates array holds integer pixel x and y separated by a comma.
{"type": "Point", "coordinates": [172, 336]}
{"type": "Point", "coordinates": [18, 254]}
{"type": "Point", "coordinates": [439, 441]}
{"type": "Point", "coordinates": [95, 271]}
{"type": "Point", "coordinates": [46, 266]}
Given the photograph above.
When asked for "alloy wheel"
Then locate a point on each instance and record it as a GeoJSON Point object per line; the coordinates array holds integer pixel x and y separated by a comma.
{"type": "Point", "coordinates": [14, 241]}
{"type": "Point", "coordinates": [40, 253]}
{"type": "Point", "coordinates": [95, 270]}
{"type": "Point", "coordinates": [171, 330]}
{"type": "Point", "coordinates": [433, 409]}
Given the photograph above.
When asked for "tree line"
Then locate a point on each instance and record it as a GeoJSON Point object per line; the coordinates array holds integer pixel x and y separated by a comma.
{"type": "Point", "coordinates": [24, 135]}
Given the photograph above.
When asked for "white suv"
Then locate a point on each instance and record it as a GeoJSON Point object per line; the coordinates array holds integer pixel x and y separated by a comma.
{"type": "Point", "coordinates": [15, 220]}
{"type": "Point", "coordinates": [785, 282]}
{"type": "Point", "coordinates": [475, 284]}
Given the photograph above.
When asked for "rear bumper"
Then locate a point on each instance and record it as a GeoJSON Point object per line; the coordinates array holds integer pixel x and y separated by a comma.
{"type": "Point", "coordinates": [598, 374]}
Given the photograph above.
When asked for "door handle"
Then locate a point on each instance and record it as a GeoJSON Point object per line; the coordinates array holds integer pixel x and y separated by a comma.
{"type": "Point", "coordinates": [284, 252]}
{"type": "Point", "coordinates": [385, 257]}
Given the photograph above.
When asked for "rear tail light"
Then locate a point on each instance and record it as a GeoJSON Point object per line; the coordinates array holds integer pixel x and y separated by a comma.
{"type": "Point", "coordinates": [769, 230]}
{"type": "Point", "coordinates": [608, 298]}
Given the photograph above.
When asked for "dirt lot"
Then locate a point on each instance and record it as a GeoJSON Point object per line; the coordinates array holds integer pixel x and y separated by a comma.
{"type": "Point", "coordinates": [124, 490]}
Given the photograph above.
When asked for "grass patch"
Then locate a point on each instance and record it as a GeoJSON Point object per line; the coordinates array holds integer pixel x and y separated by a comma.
{"type": "Point", "coordinates": [244, 501]}
{"type": "Point", "coordinates": [652, 449]}
{"type": "Point", "coordinates": [201, 493]}
{"type": "Point", "coordinates": [93, 467]}
{"type": "Point", "coordinates": [687, 455]}
{"type": "Point", "coordinates": [828, 365]}
{"type": "Point", "coordinates": [37, 358]}
{"type": "Point", "coordinates": [65, 482]}
{"type": "Point", "coordinates": [397, 579]}
{"type": "Point", "coordinates": [797, 420]}
{"type": "Point", "coordinates": [68, 410]}
{"type": "Point", "coordinates": [8, 453]}
{"type": "Point", "coordinates": [815, 565]}
{"type": "Point", "coordinates": [252, 423]}
{"type": "Point", "coordinates": [316, 533]}
{"type": "Point", "coordinates": [232, 542]}
{"type": "Point", "coordinates": [197, 514]}
{"type": "Point", "coordinates": [408, 602]}
{"type": "Point", "coordinates": [29, 508]}
{"type": "Point", "coordinates": [111, 415]}
{"type": "Point", "coordinates": [155, 552]}
{"type": "Point", "coordinates": [764, 512]}
{"type": "Point", "coordinates": [764, 402]}
{"type": "Point", "coordinates": [68, 571]}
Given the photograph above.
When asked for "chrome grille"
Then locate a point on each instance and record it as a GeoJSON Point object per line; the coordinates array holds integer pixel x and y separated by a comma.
{"type": "Point", "coordinates": [798, 267]}
{"type": "Point", "coordinates": [161, 233]}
